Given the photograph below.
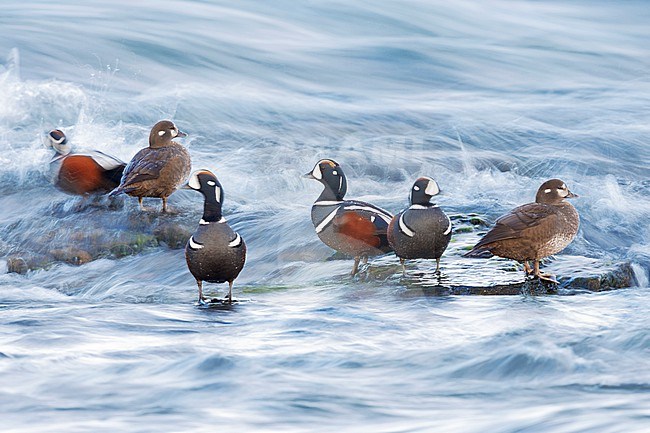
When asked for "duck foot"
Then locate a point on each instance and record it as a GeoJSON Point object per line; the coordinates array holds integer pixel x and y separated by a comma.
{"type": "Point", "coordinates": [546, 278]}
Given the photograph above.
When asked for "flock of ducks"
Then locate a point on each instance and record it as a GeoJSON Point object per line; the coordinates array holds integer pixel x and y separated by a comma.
{"type": "Point", "coordinates": [215, 253]}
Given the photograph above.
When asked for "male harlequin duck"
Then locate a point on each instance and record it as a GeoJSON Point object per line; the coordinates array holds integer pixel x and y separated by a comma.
{"type": "Point", "coordinates": [421, 231]}
{"type": "Point", "coordinates": [81, 172]}
{"type": "Point", "coordinates": [157, 170]}
{"type": "Point", "coordinates": [352, 227]}
{"type": "Point", "coordinates": [533, 231]}
{"type": "Point", "coordinates": [214, 253]}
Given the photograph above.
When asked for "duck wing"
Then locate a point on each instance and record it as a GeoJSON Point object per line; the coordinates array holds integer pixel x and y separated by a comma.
{"type": "Point", "coordinates": [145, 165]}
{"type": "Point", "coordinates": [519, 220]}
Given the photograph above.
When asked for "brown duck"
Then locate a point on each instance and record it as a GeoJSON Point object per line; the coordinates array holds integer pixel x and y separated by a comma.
{"type": "Point", "coordinates": [157, 170]}
{"type": "Point", "coordinates": [534, 230]}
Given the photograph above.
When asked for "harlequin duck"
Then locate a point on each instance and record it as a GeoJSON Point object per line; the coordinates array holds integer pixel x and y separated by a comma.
{"type": "Point", "coordinates": [423, 230]}
{"type": "Point", "coordinates": [81, 172]}
{"type": "Point", "coordinates": [157, 170]}
{"type": "Point", "coordinates": [352, 227]}
{"type": "Point", "coordinates": [533, 231]}
{"type": "Point", "coordinates": [214, 253]}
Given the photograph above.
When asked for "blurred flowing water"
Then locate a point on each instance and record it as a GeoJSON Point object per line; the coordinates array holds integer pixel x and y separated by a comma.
{"type": "Point", "coordinates": [490, 98]}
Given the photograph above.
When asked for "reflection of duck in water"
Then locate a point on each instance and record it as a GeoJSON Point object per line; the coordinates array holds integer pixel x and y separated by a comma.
{"type": "Point", "coordinates": [81, 173]}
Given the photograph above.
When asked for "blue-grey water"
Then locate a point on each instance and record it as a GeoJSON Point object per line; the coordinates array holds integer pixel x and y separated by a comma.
{"type": "Point", "coordinates": [490, 98]}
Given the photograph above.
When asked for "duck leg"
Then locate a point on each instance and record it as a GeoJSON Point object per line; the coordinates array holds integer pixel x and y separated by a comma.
{"type": "Point", "coordinates": [355, 267]}
{"type": "Point", "coordinates": [403, 262]}
{"type": "Point", "coordinates": [200, 284]}
{"type": "Point", "coordinates": [437, 265]}
{"type": "Point", "coordinates": [543, 277]}
{"type": "Point", "coordinates": [527, 268]}
{"type": "Point", "coordinates": [230, 292]}
{"type": "Point", "coordinates": [140, 203]}
{"type": "Point", "coordinates": [164, 207]}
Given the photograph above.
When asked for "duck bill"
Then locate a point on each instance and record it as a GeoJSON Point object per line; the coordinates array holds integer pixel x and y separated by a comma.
{"type": "Point", "coordinates": [186, 185]}
{"type": "Point", "coordinates": [572, 195]}
{"type": "Point", "coordinates": [181, 134]}
{"type": "Point", "coordinates": [308, 176]}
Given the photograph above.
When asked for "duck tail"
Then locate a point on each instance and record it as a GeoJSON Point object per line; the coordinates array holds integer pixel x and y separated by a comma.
{"type": "Point", "coordinates": [479, 252]}
{"type": "Point", "coordinates": [116, 191]}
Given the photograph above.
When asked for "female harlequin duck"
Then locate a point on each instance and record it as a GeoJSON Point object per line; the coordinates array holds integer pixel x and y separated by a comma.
{"type": "Point", "coordinates": [352, 227]}
{"type": "Point", "coordinates": [533, 231]}
{"type": "Point", "coordinates": [214, 253]}
{"type": "Point", "coordinates": [81, 172]}
{"type": "Point", "coordinates": [157, 170]}
{"type": "Point", "coordinates": [423, 230]}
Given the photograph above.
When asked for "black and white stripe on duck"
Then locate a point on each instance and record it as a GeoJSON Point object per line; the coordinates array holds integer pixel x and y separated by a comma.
{"type": "Point", "coordinates": [352, 227]}
{"type": "Point", "coordinates": [423, 230]}
{"type": "Point", "coordinates": [215, 252]}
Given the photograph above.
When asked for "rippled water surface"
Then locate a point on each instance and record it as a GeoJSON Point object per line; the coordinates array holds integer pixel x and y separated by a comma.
{"type": "Point", "coordinates": [490, 98]}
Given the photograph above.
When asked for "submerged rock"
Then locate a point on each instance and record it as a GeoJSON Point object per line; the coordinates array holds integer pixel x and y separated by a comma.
{"type": "Point", "coordinates": [79, 237]}
{"type": "Point", "coordinates": [86, 230]}
{"type": "Point", "coordinates": [496, 276]}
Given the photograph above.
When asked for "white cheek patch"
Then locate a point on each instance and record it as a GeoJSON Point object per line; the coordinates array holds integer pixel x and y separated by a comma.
{"type": "Point", "coordinates": [416, 188]}
{"type": "Point", "coordinates": [161, 133]}
{"type": "Point", "coordinates": [174, 132]}
{"type": "Point", "coordinates": [211, 183]}
{"type": "Point", "coordinates": [547, 190]}
{"type": "Point", "coordinates": [194, 182]}
{"type": "Point", "coordinates": [317, 173]}
{"type": "Point", "coordinates": [432, 188]}
{"type": "Point", "coordinates": [563, 192]}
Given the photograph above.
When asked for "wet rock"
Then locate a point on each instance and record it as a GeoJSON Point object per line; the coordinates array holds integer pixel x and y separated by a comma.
{"type": "Point", "coordinates": [71, 255]}
{"type": "Point", "coordinates": [496, 276]}
{"type": "Point", "coordinates": [173, 235]}
{"type": "Point", "coordinates": [22, 263]}
{"type": "Point", "coordinates": [129, 243]}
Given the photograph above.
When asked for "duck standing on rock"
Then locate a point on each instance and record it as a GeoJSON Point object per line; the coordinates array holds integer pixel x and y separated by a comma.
{"type": "Point", "coordinates": [423, 230]}
{"type": "Point", "coordinates": [352, 227]}
{"type": "Point", "coordinates": [215, 252]}
{"type": "Point", "coordinates": [81, 173]}
{"type": "Point", "coordinates": [157, 170]}
{"type": "Point", "coordinates": [533, 231]}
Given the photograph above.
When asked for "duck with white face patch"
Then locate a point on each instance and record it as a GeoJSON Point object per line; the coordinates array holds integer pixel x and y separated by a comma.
{"type": "Point", "coordinates": [83, 172]}
{"type": "Point", "coordinates": [352, 227]}
{"type": "Point", "coordinates": [423, 230]}
{"type": "Point", "coordinates": [215, 252]}
{"type": "Point", "coordinates": [157, 170]}
{"type": "Point", "coordinates": [533, 231]}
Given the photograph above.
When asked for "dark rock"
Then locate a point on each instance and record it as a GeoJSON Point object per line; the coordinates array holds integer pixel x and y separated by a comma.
{"type": "Point", "coordinates": [173, 235]}
{"type": "Point", "coordinates": [496, 276]}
